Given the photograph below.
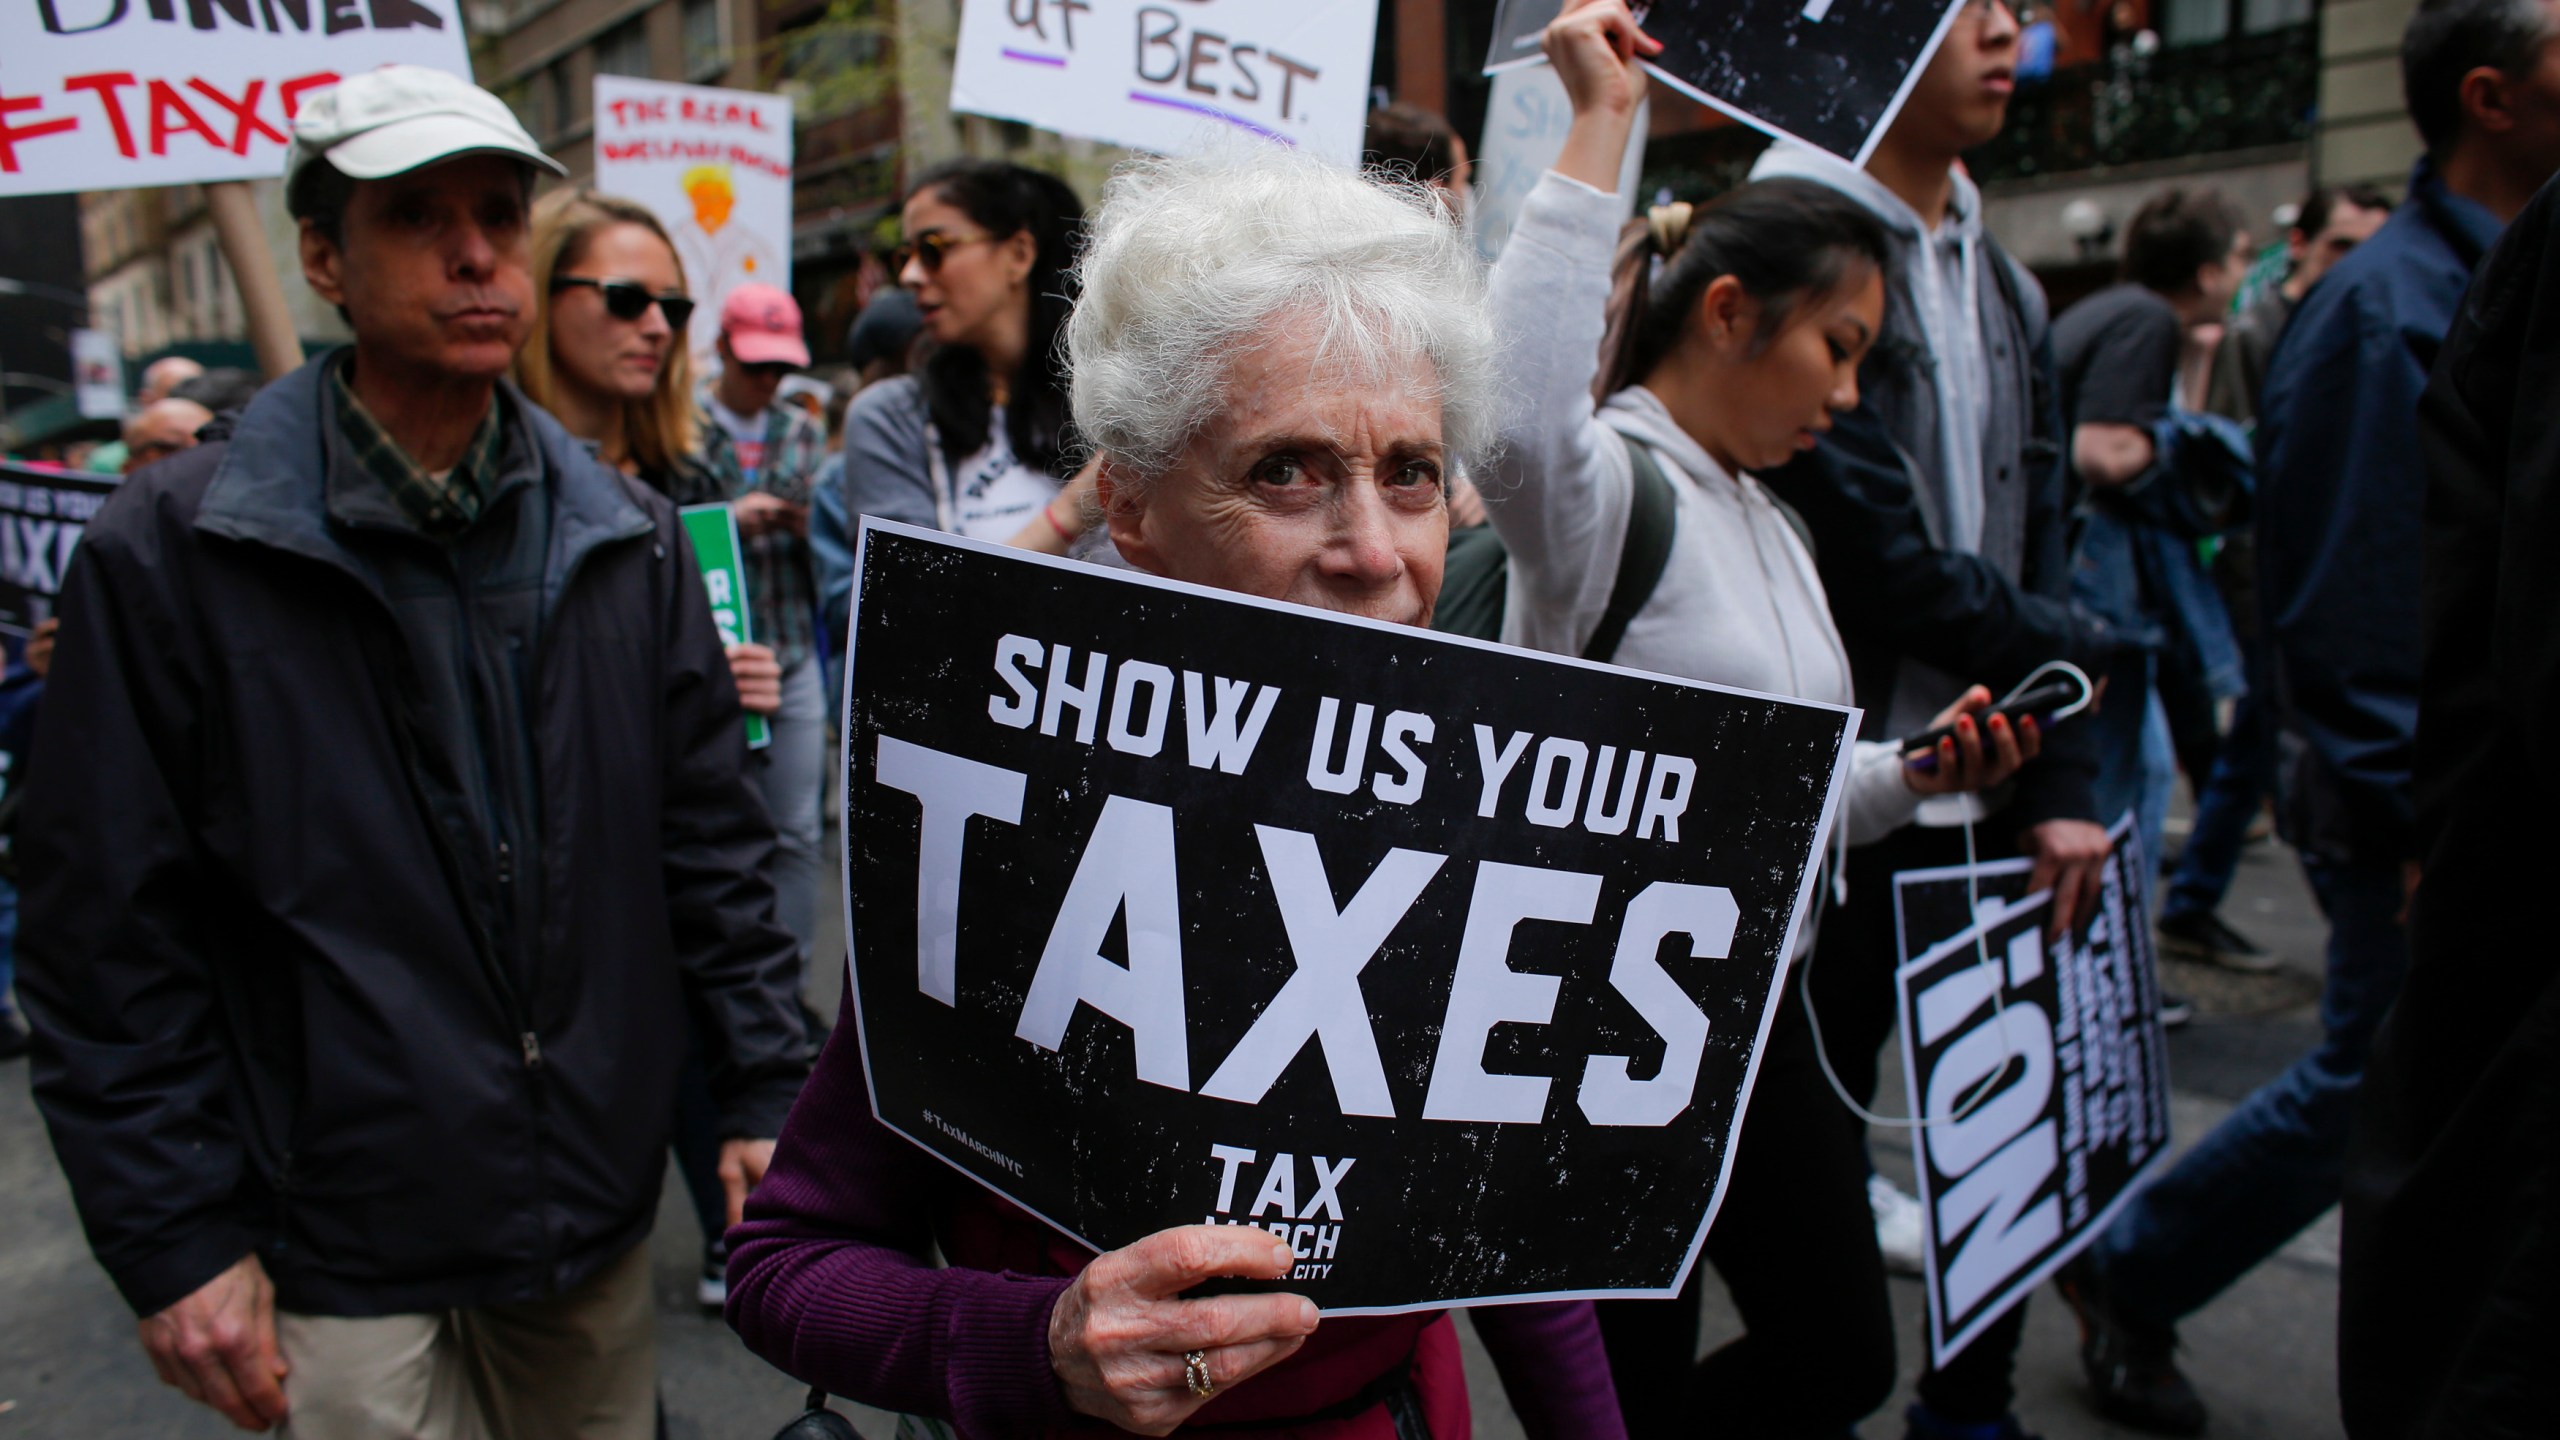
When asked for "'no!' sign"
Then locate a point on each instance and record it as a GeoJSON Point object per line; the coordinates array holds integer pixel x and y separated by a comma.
{"type": "Point", "coordinates": [1446, 963]}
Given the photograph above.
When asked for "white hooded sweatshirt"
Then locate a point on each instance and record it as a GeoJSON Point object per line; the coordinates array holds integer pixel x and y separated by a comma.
{"type": "Point", "coordinates": [1739, 603]}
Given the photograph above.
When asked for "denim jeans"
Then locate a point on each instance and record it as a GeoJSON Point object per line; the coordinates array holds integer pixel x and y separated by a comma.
{"type": "Point", "coordinates": [2137, 765]}
{"type": "Point", "coordinates": [793, 777]}
{"type": "Point", "coordinates": [2277, 1162]}
{"type": "Point", "coordinates": [2244, 775]}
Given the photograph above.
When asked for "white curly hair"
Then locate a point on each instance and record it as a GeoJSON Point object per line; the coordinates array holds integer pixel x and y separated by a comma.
{"type": "Point", "coordinates": [1192, 260]}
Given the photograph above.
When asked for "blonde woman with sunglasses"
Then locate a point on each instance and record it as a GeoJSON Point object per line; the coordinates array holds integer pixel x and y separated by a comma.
{"type": "Point", "coordinates": [607, 357]}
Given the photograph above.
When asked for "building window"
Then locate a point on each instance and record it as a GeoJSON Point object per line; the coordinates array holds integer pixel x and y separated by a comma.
{"type": "Point", "coordinates": [540, 101]}
{"type": "Point", "coordinates": [2204, 22]}
{"type": "Point", "coordinates": [2196, 22]}
{"type": "Point", "coordinates": [706, 43]}
{"type": "Point", "coordinates": [624, 49]}
{"type": "Point", "coordinates": [2260, 16]}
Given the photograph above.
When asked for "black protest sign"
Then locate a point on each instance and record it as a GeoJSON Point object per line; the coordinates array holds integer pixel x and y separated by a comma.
{"type": "Point", "coordinates": [2039, 1069]}
{"type": "Point", "coordinates": [42, 516]}
{"type": "Point", "coordinates": [1446, 962]}
{"type": "Point", "coordinates": [1831, 73]}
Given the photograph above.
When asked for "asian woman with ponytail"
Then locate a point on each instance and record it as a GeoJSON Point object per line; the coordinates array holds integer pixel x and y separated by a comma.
{"type": "Point", "coordinates": [1710, 342]}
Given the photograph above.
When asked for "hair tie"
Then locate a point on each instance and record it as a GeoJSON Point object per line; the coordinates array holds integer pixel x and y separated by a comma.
{"type": "Point", "coordinates": [1670, 226]}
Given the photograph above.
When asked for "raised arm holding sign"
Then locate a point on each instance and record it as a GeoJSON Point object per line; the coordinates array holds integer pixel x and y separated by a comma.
{"type": "Point", "coordinates": [1829, 73]}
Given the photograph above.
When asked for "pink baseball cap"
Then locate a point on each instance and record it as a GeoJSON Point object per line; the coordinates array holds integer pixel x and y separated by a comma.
{"type": "Point", "coordinates": [763, 326]}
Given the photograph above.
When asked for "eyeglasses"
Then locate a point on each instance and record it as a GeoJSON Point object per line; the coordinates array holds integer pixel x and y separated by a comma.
{"type": "Point", "coordinates": [768, 369]}
{"type": "Point", "coordinates": [932, 247]}
{"type": "Point", "coordinates": [629, 299]}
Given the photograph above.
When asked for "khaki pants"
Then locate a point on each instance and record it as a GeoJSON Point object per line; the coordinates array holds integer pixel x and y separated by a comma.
{"type": "Point", "coordinates": [579, 1366]}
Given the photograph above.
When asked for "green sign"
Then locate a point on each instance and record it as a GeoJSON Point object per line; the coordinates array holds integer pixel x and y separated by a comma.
{"type": "Point", "coordinates": [714, 532]}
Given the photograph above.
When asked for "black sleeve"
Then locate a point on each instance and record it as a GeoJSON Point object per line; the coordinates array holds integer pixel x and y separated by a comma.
{"type": "Point", "coordinates": [2131, 366]}
{"type": "Point", "coordinates": [115, 958]}
{"type": "Point", "coordinates": [1895, 592]}
{"type": "Point", "coordinates": [742, 969]}
{"type": "Point", "coordinates": [2491, 671]}
{"type": "Point", "coordinates": [2061, 785]}
{"type": "Point", "coordinates": [1893, 587]}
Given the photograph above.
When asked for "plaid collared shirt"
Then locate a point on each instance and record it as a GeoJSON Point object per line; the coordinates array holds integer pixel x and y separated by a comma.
{"type": "Point", "coordinates": [442, 507]}
{"type": "Point", "coordinates": [782, 583]}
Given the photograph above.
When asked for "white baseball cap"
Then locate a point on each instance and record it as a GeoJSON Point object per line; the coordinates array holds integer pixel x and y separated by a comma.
{"type": "Point", "coordinates": [380, 123]}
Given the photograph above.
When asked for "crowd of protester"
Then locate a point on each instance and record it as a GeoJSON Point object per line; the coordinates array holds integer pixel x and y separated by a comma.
{"type": "Point", "coordinates": [386, 702]}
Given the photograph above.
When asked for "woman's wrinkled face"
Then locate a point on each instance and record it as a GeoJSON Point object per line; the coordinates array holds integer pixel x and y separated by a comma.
{"type": "Point", "coordinates": [962, 277]}
{"type": "Point", "coordinates": [1313, 487]}
{"type": "Point", "coordinates": [1781, 399]}
{"type": "Point", "coordinates": [592, 350]}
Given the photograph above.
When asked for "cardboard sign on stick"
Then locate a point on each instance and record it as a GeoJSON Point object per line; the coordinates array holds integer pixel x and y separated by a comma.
{"type": "Point", "coordinates": [1172, 77]}
{"type": "Point", "coordinates": [1449, 964]}
{"type": "Point", "coordinates": [2040, 1071]}
{"type": "Point", "coordinates": [1831, 73]}
{"type": "Point", "coordinates": [715, 167]}
{"type": "Point", "coordinates": [112, 94]}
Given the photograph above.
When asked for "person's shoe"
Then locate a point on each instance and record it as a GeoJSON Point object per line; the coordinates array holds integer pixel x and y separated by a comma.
{"type": "Point", "coordinates": [13, 1041]}
{"type": "Point", "coordinates": [1922, 1423]}
{"type": "Point", "coordinates": [1898, 1224]}
{"type": "Point", "coordinates": [2133, 1375]}
{"type": "Point", "coordinates": [2175, 1010]}
{"type": "Point", "coordinates": [2201, 935]}
{"type": "Point", "coordinates": [2262, 829]}
{"type": "Point", "coordinates": [712, 1290]}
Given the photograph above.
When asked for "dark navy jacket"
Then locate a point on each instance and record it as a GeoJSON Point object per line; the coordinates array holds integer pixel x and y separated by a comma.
{"type": "Point", "coordinates": [2341, 484]}
{"type": "Point", "coordinates": [282, 1003]}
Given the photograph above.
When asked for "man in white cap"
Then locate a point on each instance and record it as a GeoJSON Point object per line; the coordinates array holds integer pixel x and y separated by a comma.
{"type": "Point", "coordinates": [394, 821]}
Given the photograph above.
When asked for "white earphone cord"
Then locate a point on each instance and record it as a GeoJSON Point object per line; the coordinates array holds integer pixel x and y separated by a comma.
{"type": "Point", "coordinates": [1982, 1089]}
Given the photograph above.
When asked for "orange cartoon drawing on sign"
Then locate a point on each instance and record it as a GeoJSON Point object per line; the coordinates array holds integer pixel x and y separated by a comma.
{"type": "Point", "coordinates": [713, 197]}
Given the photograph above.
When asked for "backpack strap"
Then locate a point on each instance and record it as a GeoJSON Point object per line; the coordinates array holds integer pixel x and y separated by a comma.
{"type": "Point", "coordinates": [1651, 514]}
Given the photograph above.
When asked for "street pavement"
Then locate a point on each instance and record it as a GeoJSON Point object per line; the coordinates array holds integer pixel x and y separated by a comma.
{"type": "Point", "coordinates": [2262, 1353]}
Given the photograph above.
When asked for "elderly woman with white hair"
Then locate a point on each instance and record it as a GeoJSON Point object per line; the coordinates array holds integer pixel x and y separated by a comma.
{"type": "Point", "coordinates": [1279, 363]}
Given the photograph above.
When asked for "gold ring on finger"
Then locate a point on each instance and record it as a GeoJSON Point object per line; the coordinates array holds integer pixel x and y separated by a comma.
{"type": "Point", "coordinates": [1195, 1373]}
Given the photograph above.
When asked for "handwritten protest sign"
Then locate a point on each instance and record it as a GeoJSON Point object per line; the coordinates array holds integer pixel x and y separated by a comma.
{"type": "Point", "coordinates": [1525, 124]}
{"type": "Point", "coordinates": [43, 514]}
{"type": "Point", "coordinates": [2041, 1069]}
{"type": "Point", "coordinates": [1831, 73]}
{"type": "Point", "coordinates": [715, 167]}
{"type": "Point", "coordinates": [110, 94]}
{"type": "Point", "coordinates": [1168, 77]}
{"type": "Point", "coordinates": [1447, 963]}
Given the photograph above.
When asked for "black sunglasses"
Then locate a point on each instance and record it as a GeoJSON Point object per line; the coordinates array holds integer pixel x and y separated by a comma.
{"type": "Point", "coordinates": [933, 247]}
{"type": "Point", "coordinates": [629, 299]}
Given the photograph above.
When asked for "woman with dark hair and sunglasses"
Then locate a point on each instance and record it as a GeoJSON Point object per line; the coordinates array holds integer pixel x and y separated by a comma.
{"type": "Point", "coordinates": [607, 357]}
{"type": "Point", "coordinates": [1702, 345]}
{"type": "Point", "coordinates": [977, 438]}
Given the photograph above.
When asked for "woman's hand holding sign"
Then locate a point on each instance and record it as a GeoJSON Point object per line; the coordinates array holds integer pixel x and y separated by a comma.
{"type": "Point", "coordinates": [1596, 48]}
{"type": "Point", "coordinates": [1120, 1334]}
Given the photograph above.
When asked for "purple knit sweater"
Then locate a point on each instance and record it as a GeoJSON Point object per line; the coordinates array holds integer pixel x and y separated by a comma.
{"type": "Point", "coordinates": [828, 1281]}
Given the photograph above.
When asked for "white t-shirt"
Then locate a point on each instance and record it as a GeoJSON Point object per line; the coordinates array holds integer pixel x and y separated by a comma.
{"type": "Point", "coordinates": [746, 436]}
{"type": "Point", "coordinates": [992, 494]}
